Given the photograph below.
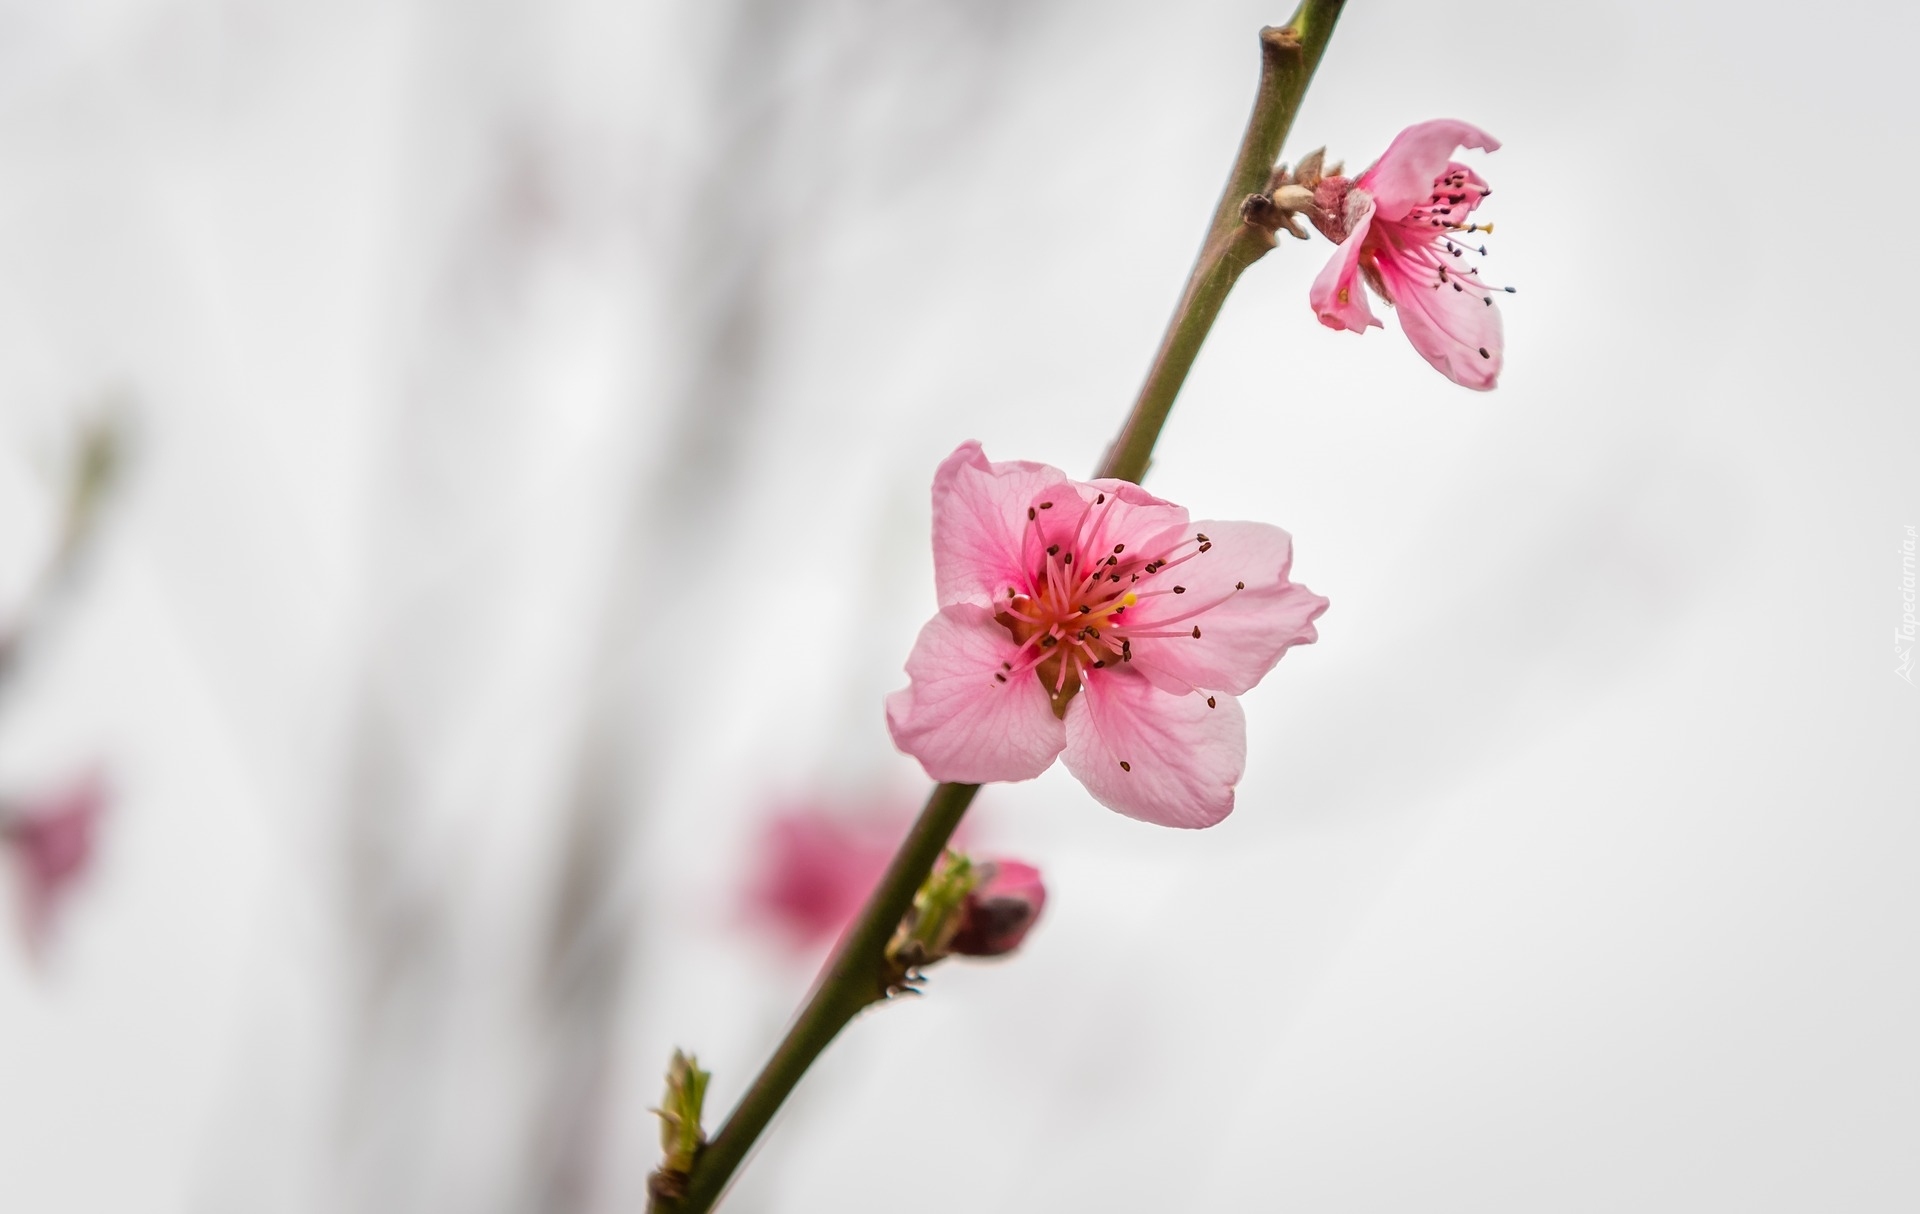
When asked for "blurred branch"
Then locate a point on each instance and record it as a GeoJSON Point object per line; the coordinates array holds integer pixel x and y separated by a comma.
{"type": "Point", "coordinates": [857, 975]}
{"type": "Point", "coordinates": [1289, 55]}
{"type": "Point", "coordinates": [97, 460]}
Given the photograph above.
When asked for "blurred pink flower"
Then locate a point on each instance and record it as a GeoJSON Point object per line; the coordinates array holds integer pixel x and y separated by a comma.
{"type": "Point", "coordinates": [52, 842]}
{"type": "Point", "coordinates": [1050, 588]}
{"type": "Point", "coordinates": [1401, 227]}
{"type": "Point", "coordinates": [1000, 910]}
{"type": "Point", "coordinates": [816, 869]}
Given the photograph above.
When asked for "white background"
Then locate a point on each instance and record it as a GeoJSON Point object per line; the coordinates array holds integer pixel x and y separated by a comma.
{"type": "Point", "coordinates": [535, 406]}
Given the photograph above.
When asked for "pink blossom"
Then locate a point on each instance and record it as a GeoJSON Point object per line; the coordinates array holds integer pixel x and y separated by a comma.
{"type": "Point", "coordinates": [52, 843]}
{"type": "Point", "coordinates": [1092, 620]}
{"type": "Point", "coordinates": [1402, 225]}
{"type": "Point", "coordinates": [1001, 910]}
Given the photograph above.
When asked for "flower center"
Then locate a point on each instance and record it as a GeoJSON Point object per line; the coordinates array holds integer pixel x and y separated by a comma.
{"type": "Point", "coordinates": [1434, 238]}
{"type": "Point", "coordinates": [1072, 617]}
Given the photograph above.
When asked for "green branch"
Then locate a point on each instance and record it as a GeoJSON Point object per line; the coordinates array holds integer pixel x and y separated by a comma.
{"type": "Point", "coordinates": [859, 974]}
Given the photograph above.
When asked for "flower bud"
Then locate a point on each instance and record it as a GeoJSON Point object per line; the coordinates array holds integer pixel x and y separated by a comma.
{"type": "Point", "coordinates": [681, 1135]}
{"type": "Point", "coordinates": [1000, 910]}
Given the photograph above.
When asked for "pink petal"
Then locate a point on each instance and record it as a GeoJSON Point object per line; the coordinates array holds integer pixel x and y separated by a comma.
{"type": "Point", "coordinates": [1338, 298]}
{"type": "Point", "coordinates": [1183, 758]}
{"type": "Point", "coordinates": [962, 722]}
{"type": "Point", "coordinates": [980, 524]}
{"type": "Point", "coordinates": [1403, 177]}
{"type": "Point", "coordinates": [1121, 512]}
{"type": "Point", "coordinates": [1242, 633]}
{"type": "Point", "coordinates": [1455, 330]}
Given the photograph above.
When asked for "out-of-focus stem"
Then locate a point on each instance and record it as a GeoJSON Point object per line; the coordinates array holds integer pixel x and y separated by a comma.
{"type": "Point", "coordinates": [1289, 54]}
{"type": "Point", "coordinates": [96, 463]}
{"type": "Point", "coordinates": [857, 975]}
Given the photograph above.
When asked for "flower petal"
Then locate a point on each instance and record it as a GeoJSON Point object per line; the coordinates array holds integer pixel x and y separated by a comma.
{"type": "Point", "coordinates": [1128, 515]}
{"type": "Point", "coordinates": [1454, 328]}
{"type": "Point", "coordinates": [1182, 757]}
{"type": "Point", "coordinates": [961, 721]}
{"type": "Point", "coordinates": [980, 524]}
{"type": "Point", "coordinates": [1238, 634]}
{"type": "Point", "coordinates": [1337, 297]}
{"type": "Point", "coordinates": [1403, 177]}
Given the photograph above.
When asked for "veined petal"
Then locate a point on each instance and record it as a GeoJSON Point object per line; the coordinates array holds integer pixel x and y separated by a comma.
{"type": "Point", "coordinates": [980, 522]}
{"type": "Point", "coordinates": [1238, 615]}
{"type": "Point", "coordinates": [962, 714]}
{"type": "Point", "coordinates": [1403, 177]}
{"type": "Point", "coordinates": [1454, 328]}
{"type": "Point", "coordinates": [1338, 298]}
{"type": "Point", "coordinates": [1182, 757]}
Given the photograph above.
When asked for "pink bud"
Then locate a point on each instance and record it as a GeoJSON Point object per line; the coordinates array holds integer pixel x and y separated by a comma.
{"type": "Point", "coordinates": [1000, 910]}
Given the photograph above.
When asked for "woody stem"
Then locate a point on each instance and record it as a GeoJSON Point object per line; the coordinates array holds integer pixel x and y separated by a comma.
{"type": "Point", "coordinates": [857, 975]}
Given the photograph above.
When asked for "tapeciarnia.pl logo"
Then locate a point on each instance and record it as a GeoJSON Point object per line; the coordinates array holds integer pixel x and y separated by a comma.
{"type": "Point", "coordinates": [1903, 636]}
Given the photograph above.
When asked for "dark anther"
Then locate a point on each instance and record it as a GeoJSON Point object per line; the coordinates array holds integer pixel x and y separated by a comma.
{"type": "Point", "coordinates": [1206, 547]}
{"type": "Point", "coordinates": [1053, 550]}
{"type": "Point", "coordinates": [1067, 559]}
{"type": "Point", "coordinates": [1211, 703]}
{"type": "Point", "coordinates": [1196, 632]}
{"type": "Point", "coordinates": [1483, 352]}
{"type": "Point", "coordinates": [1201, 536]}
{"type": "Point", "coordinates": [1119, 548]}
{"type": "Point", "coordinates": [1001, 677]}
{"type": "Point", "coordinates": [1179, 589]}
{"type": "Point", "coordinates": [1006, 665]}
{"type": "Point", "coordinates": [1239, 585]}
{"type": "Point", "coordinates": [1100, 665]}
{"type": "Point", "coordinates": [1085, 610]}
{"type": "Point", "coordinates": [1101, 500]}
{"type": "Point", "coordinates": [1049, 642]}
{"type": "Point", "coordinates": [1046, 505]}
{"type": "Point", "coordinates": [1032, 514]}
{"type": "Point", "coordinates": [1125, 766]}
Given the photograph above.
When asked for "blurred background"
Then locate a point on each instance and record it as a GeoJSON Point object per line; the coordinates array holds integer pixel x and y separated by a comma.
{"type": "Point", "coordinates": [525, 416]}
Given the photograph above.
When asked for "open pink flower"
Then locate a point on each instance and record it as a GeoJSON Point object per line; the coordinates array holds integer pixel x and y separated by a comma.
{"type": "Point", "coordinates": [52, 844]}
{"type": "Point", "coordinates": [1402, 226]}
{"type": "Point", "coordinates": [1093, 619]}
